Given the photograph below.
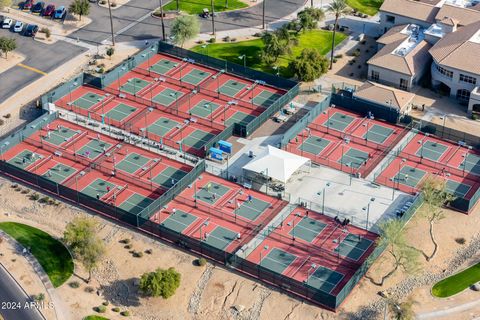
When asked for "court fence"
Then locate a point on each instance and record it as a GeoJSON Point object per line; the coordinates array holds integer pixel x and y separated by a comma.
{"type": "Point", "coordinates": [61, 90]}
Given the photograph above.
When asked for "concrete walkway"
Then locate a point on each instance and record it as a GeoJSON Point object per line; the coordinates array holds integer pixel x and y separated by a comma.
{"type": "Point", "coordinates": [448, 312]}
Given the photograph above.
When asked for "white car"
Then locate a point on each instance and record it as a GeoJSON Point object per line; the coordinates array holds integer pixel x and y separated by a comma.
{"type": "Point", "coordinates": [7, 23]}
{"type": "Point", "coordinates": [18, 27]}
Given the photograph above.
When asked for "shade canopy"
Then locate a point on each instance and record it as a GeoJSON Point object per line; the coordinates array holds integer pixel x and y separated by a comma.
{"type": "Point", "coordinates": [276, 164]}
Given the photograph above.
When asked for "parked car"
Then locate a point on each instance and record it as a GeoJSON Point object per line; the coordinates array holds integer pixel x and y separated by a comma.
{"type": "Point", "coordinates": [7, 23]}
{"type": "Point", "coordinates": [31, 30]}
{"type": "Point", "coordinates": [60, 13]}
{"type": "Point", "coordinates": [38, 7]}
{"type": "Point", "coordinates": [18, 27]}
{"type": "Point", "coordinates": [49, 10]}
{"type": "Point", "coordinates": [27, 5]}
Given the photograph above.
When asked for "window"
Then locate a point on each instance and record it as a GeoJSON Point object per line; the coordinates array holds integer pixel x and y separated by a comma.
{"type": "Point", "coordinates": [403, 84]}
{"type": "Point", "coordinates": [463, 95]}
{"type": "Point", "coordinates": [468, 79]}
{"type": "Point", "coordinates": [375, 75]}
{"type": "Point", "coordinates": [445, 72]}
{"type": "Point", "coordinates": [390, 19]}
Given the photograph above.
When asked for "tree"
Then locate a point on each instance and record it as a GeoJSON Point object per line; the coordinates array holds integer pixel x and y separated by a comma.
{"type": "Point", "coordinates": [5, 4]}
{"type": "Point", "coordinates": [81, 236]}
{"type": "Point", "coordinates": [401, 310]}
{"type": "Point", "coordinates": [160, 282]}
{"type": "Point", "coordinates": [435, 196]}
{"type": "Point", "coordinates": [110, 51]}
{"type": "Point", "coordinates": [309, 65]}
{"type": "Point", "coordinates": [7, 45]}
{"type": "Point", "coordinates": [404, 256]}
{"type": "Point", "coordinates": [338, 8]}
{"type": "Point", "coordinates": [80, 7]}
{"type": "Point", "coordinates": [309, 18]}
{"type": "Point", "coordinates": [287, 38]}
{"type": "Point", "coordinates": [184, 28]}
{"type": "Point", "coordinates": [272, 48]}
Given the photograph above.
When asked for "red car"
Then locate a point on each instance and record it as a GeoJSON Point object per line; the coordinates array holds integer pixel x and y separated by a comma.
{"type": "Point", "coordinates": [49, 10]}
{"type": "Point", "coordinates": [27, 5]}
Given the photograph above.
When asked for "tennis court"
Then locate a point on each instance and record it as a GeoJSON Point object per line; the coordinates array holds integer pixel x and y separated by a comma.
{"type": "Point", "coordinates": [471, 164]}
{"type": "Point", "coordinates": [121, 112]}
{"type": "Point", "coordinates": [59, 173]}
{"type": "Point", "coordinates": [24, 159]}
{"type": "Point", "coordinates": [231, 88]}
{"type": "Point", "coordinates": [409, 176]}
{"type": "Point", "coordinates": [133, 85]}
{"type": "Point", "coordinates": [265, 98]}
{"type": "Point", "coordinates": [324, 279]}
{"type": "Point", "coordinates": [163, 66]}
{"type": "Point", "coordinates": [239, 117]}
{"type": "Point", "coordinates": [277, 260]}
{"type": "Point", "coordinates": [168, 177]}
{"type": "Point", "coordinates": [195, 76]}
{"type": "Point", "coordinates": [60, 135]}
{"type": "Point", "coordinates": [220, 237]}
{"type": "Point", "coordinates": [135, 203]}
{"type": "Point", "coordinates": [88, 100]}
{"type": "Point", "coordinates": [354, 158]}
{"type": "Point", "coordinates": [205, 194]}
{"type": "Point", "coordinates": [457, 189]}
{"type": "Point", "coordinates": [431, 150]}
{"type": "Point", "coordinates": [94, 148]}
{"type": "Point", "coordinates": [98, 187]}
{"type": "Point", "coordinates": [167, 96]}
{"type": "Point", "coordinates": [162, 126]}
{"type": "Point", "coordinates": [377, 133]}
{"type": "Point", "coordinates": [307, 229]}
{"type": "Point", "coordinates": [314, 145]}
{"type": "Point", "coordinates": [339, 121]}
{"type": "Point", "coordinates": [197, 139]}
{"type": "Point", "coordinates": [179, 221]}
{"type": "Point", "coordinates": [353, 246]}
{"type": "Point", "coordinates": [204, 108]}
{"type": "Point", "coordinates": [251, 210]}
{"type": "Point", "coordinates": [132, 163]}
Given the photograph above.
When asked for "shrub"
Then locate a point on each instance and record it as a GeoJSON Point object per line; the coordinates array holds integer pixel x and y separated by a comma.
{"type": "Point", "coordinates": [359, 66]}
{"type": "Point", "coordinates": [128, 246]}
{"type": "Point", "coordinates": [103, 1]}
{"type": "Point", "coordinates": [7, 116]}
{"type": "Point", "coordinates": [226, 39]}
{"type": "Point", "coordinates": [125, 313]}
{"type": "Point", "coordinates": [101, 70]}
{"type": "Point", "coordinates": [233, 39]}
{"type": "Point", "coordinates": [460, 240]}
{"type": "Point", "coordinates": [137, 254]}
{"type": "Point", "coordinates": [200, 42]}
{"type": "Point", "coordinates": [212, 40]}
{"type": "Point", "coordinates": [356, 53]}
{"type": "Point", "coordinates": [89, 289]}
{"type": "Point", "coordinates": [363, 41]}
{"type": "Point", "coordinates": [105, 303]}
{"type": "Point", "coordinates": [258, 34]}
{"type": "Point", "coordinates": [14, 185]}
{"type": "Point", "coordinates": [148, 251]}
{"type": "Point", "coordinates": [338, 56]}
{"type": "Point", "coordinates": [39, 297]}
{"type": "Point", "coordinates": [47, 32]}
{"type": "Point", "coordinates": [201, 262]}
{"type": "Point", "coordinates": [18, 189]}
{"type": "Point", "coordinates": [334, 60]}
{"type": "Point", "coordinates": [116, 309]}
{"type": "Point", "coordinates": [74, 284]}
{"type": "Point", "coordinates": [100, 309]}
{"type": "Point", "coordinates": [44, 200]}
{"type": "Point", "coordinates": [113, 4]}
{"type": "Point", "coordinates": [126, 241]}
{"type": "Point", "coordinates": [25, 191]}
{"type": "Point", "coordinates": [160, 282]}
{"type": "Point", "coordinates": [34, 196]}
{"type": "Point", "coordinates": [2, 122]}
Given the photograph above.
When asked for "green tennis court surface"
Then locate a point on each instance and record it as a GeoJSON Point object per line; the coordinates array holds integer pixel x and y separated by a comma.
{"type": "Point", "coordinates": [24, 159]}
{"type": "Point", "coordinates": [132, 163]}
{"type": "Point", "coordinates": [133, 85]}
{"type": "Point", "coordinates": [88, 100]}
{"type": "Point", "coordinates": [265, 98]}
{"type": "Point", "coordinates": [471, 164]}
{"type": "Point", "coordinates": [354, 158]}
{"type": "Point", "coordinates": [204, 108]}
{"type": "Point", "coordinates": [179, 221]}
{"type": "Point", "coordinates": [378, 134]}
{"type": "Point", "coordinates": [307, 229]}
{"type": "Point", "coordinates": [121, 112]}
{"type": "Point", "coordinates": [61, 135]}
{"type": "Point", "coordinates": [205, 194]}
{"type": "Point", "coordinates": [314, 145]}
{"type": "Point", "coordinates": [339, 121]}
{"type": "Point", "coordinates": [220, 237]}
{"type": "Point", "coordinates": [167, 96]}
{"type": "Point", "coordinates": [195, 76]}
{"type": "Point", "coordinates": [231, 88]}
{"type": "Point", "coordinates": [163, 66]}
{"type": "Point", "coordinates": [165, 177]}
{"type": "Point", "coordinates": [353, 246]}
{"type": "Point", "coordinates": [431, 150]}
{"type": "Point", "coordinates": [252, 209]}
{"type": "Point", "coordinates": [162, 126]}
{"type": "Point", "coordinates": [409, 176]}
{"type": "Point", "coordinates": [324, 279]}
{"type": "Point", "coordinates": [239, 117]}
{"type": "Point", "coordinates": [94, 148]}
{"type": "Point", "coordinates": [197, 139]}
{"type": "Point", "coordinates": [277, 260]}
{"type": "Point", "coordinates": [458, 189]}
{"type": "Point", "coordinates": [59, 173]}
{"type": "Point", "coordinates": [98, 187]}
{"type": "Point", "coordinates": [135, 203]}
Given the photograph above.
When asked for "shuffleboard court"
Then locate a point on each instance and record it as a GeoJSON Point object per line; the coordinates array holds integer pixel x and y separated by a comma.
{"type": "Point", "coordinates": [220, 237]}
{"type": "Point", "coordinates": [265, 98]}
{"type": "Point", "coordinates": [59, 173]}
{"type": "Point", "coordinates": [179, 221]}
{"type": "Point", "coordinates": [251, 210]}
{"type": "Point", "coordinates": [314, 145]}
{"type": "Point", "coordinates": [168, 177]}
{"type": "Point", "coordinates": [353, 246]}
{"type": "Point", "coordinates": [135, 203]}
{"type": "Point", "coordinates": [307, 229]}
{"type": "Point", "coordinates": [277, 260]}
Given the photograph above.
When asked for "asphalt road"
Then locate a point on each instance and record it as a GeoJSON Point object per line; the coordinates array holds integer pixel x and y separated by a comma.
{"type": "Point", "coordinates": [42, 57]}
{"type": "Point", "coordinates": [13, 300]}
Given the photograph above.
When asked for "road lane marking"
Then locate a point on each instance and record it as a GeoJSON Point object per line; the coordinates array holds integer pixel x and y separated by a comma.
{"type": "Point", "coordinates": [32, 69]}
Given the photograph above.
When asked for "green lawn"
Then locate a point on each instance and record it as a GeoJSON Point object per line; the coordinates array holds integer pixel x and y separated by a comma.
{"type": "Point", "coordinates": [457, 283]}
{"type": "Point", "coordinates": [50, 253]}
{"type": "Point", "coordinates": [95, 318]}
{"type": "Point", "coordinates": [369, 7]}
{"type": "Point", "coordinates": [318, 39]}
{"type": "Point", "coordinates": [197, 6]}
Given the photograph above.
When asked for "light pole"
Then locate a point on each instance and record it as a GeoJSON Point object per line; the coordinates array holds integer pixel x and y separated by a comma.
{"type": "Point", "coordinates": [277, 69]}
{"type": "Point", "coordinates": [370, 117]}
{"type": "Point", "coordinates": [118, 78]}
{"type": "Point", "coordinates": [397, 177]}
{"type": "Point", "coordinates": [213, 17]}
{"type": "Point", "coordinates": [111, 23]}
{"type": "Point", "coordinates": [265, 173]}
{"type": "Point", "coordinates": [387, 302]}
{"type": "Point", "coordinates": [209, 105]}
{"type": "Point", "coordinates": [293, 225]}
{"type": "Point", "coordinates": [312, 267]}
{"type": "Point", "coordinates": [73, 85]}
{"type": "Point", "coordinates": [81, 173]}
{"type": "Point", "coordinates": [244, 57]}
{"type": "Point", "coordinates": [161, 19]}
{"type": "Point", "coordinates": [367, 208]}
{"type": "Point", "coordinates": [195, 191]}
{"type": "Point", "coordinates": [263, 14]}
{"type": "Point", "coordinates": [205, 223]}
{"type": "Point", "coordinates": [465, 160]}
{"type": "Point", "coordinates": [344, 142]}
{"type": "Point", "coordinates": [265, 248]}
{"type": "Point", "coordinates": [444, 117]}
{"type": "Point", "coordinates": [323, 196]}
{"type": "Point", "coordinates": [423, 141]}
{"type": "Point", "coordinates": [174, 95]}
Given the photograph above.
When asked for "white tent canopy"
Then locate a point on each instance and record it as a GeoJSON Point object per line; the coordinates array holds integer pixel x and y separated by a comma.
{"type": "Point", "coordinates": [276, 164]}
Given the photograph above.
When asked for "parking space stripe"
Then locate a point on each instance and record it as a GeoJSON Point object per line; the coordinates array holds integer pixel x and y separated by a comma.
{"type": "Point", "coordinates": [32, 69]}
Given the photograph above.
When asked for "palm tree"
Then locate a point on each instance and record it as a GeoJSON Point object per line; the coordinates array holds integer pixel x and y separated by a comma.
{"type": "Point", "coordinates": [338, 8]}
